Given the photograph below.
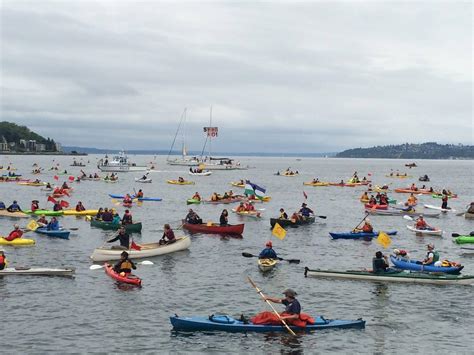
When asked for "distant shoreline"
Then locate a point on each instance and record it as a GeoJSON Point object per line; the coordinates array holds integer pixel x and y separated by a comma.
{"type": "Point", "coordinates": [43, 153]}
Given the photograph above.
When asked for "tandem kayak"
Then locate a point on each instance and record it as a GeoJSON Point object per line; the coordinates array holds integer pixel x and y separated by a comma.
{"type": "Point", "coordinates": [127, 278]}
{"type": "Point", "coordinates": [392, 276]}
{"type": "Point", "coordinates": [266, 264]}
{"type": "Point", "coordinates": [360, 235]}
{"type": "Point", "coordinates": [80, 213]}
{"type": "Point", "coordinates": [395, 212]}
{"type": "Point", "coordinates": [224, 200]}
{"type": "Point", "coordinates": [288, 222]}
{"type": "Point", "coordinates": [462, 239]}
{"type": "Point", "coordinates": [135, 227]}
{"type": "Point", "coordinates": [146, 250]}
{"type": "Point", "coordinates": [18, 242]}
{"type": "Point", "coordinates": [134, 197]}
{"type": "Point", "coordinates": [63, 234]}
{"type": "Point", "coordinates": [228, 324]}
{"type": "Point", "coordinates": [436, 231]}
{"type": "Point", "coordinates": [176, 182]}
{"type": "Point", "coordinates": [413, 266]}
{"type": "Point", "coordinates": [50, 213]}
{"type": "Point", "coordinates": [316, 183]}
{"type": "Point", "coordinates": [214, 228]}
{"type": "Point", "coordinates": [376, 206]}
{"type": "Point", "coordinates": [37, 271]}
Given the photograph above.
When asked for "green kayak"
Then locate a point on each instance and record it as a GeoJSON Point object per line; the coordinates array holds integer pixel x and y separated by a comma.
{"type": "Point", "coordinates": [131, 228]}
{"type": "Point", "coordinates": [193, 201]}
{"type": "Point", "coordinates": [45, 212]}
{"type": "Point", "coordinates": [464, 239]}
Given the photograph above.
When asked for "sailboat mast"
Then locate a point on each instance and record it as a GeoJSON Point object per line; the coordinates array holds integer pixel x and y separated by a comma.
{"type": "Point", "coordinates": [184, 134]}
{"type": "Point", "coordinates": [210, 138]}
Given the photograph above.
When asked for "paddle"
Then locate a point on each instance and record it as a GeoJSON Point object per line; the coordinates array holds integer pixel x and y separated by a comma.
{"type": "Point", "coordinates": [455, 235]}
{"type": "Point", "coordinates": [322, 217]}
{"type": "Point", "coordinates": [466, 248]}
{"type": "Point", "coordinates": [144, 262]}
{"type": "Point", "coordinates": [363, 219]}
{"type": "Point", "coordinates": [460, 213]}
{"type": "Point", "coordinates": [291, 261]}
{"type": "Point", "coordinates": [273, 308]}
{"type": "Point", "coordinates": [408, 218]}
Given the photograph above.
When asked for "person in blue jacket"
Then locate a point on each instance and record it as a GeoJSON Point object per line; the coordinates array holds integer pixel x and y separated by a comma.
{"type": "Point", "coordinates": [53, 224]}
{"type": "Point", "coordinates": [268, 252]}
{"type": "Point", "coordinates": [14, 207]}
{"type": "Point", "coordinates": [305, 211]}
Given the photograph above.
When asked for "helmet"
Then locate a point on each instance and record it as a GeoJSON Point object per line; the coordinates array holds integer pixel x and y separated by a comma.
{"type": "Point", "coordinates": [269, 244]}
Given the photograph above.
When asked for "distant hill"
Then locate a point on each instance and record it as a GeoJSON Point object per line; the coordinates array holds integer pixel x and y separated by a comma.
{"type": "Point", "coordinates": [430, 150]}
{"type": "Point", "coordinates": [12, 134]}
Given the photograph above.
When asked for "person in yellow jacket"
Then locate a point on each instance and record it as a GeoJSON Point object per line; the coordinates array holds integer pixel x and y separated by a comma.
{"type": "Point", "coordinates": [3, 260]}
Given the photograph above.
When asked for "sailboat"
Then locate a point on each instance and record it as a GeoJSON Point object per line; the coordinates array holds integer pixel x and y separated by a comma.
{"type": "Point", "coordinates": [184, 160]}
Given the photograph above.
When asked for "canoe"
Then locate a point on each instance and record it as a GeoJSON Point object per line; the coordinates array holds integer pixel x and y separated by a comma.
{"type": "Point", "coordinates": [228, 324]}
{"type": "Point", "coordinates": [436, 231]}
{"type": "Point", "coordinates": [127, 278]}
{"type": "Point", "coordinates": [138, 198]}
{"type": "Point", "coordinates": [392, 276]}
{"type": "Point", "coordinates": [310, 183]}
{"type": "Point", "coordinates": [193, 201]}
{"type": "Point", "coordinates": [415, 192]}
{"type": "Point", "coordinates": [376, 206]}
{"type": "Point", "coordinates": [176, 182]}
{"type": "Point", "coordinates": [18, 242]}
{"type": "Point", "coordinates": [130, 228]}
{"type": "Point", "coordinates": [413, 266]}
{"type": "Point", "coordinates": [214, 228]}
{"type": "Point", "coordinates": [63, 234]}
{"type": "Point", "coordinates": [361, 235]}
{"type": "Point", "coordinates": [80, 213]}
{"type": "Point", "coordinates": [224, 201]}
{"type": "Point", "coordinates": [5, 213]}
{"type": "Point", "coordinates": [266, 264]}
{"type": "Point", "coordinates": [253, 214]}
{"type": "Point", "coordinates": [237, 184]}
{"type": "Point", "coordinates": [441, 196]}
{"type": "Point", "coordinates": [439, 208]}
{"type": "Point", "coordinates": [289, 222]}
{"type": "Point", "coordinates": [37, 271]}
{"type": "Point", "coordinates": [205, 173]}
{"type": "Point", "coordinates": [395, 212]}
{"type": "Point", "coordinates": [462, 239]}
{"type": "Point", "coordinates": [147, 250]}
{"type": "Point", "coordinates": [45, 212]}
{"type": "Point", "coordinates": [143, 181]}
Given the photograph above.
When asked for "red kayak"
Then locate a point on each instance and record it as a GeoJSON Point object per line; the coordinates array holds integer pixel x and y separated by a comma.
{"type": "Point", "coordinates": [128, 278]}
{"type": "Point", "coordinates": [224, 200]}
{"type": "Point", "coordinates": [377, 206]}
{"type": "Point", "coordinates": [214, 228]}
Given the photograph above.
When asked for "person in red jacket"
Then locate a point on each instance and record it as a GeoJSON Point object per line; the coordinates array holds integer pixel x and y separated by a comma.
{"type": "Point", "coordinates": [34, 205]}
{"type": "Point", "coordinates": [15, 233]}
{"type": "Point", "coordinates": [80, 207]}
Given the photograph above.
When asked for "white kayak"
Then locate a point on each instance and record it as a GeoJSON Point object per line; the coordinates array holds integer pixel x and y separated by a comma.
{"type": "Point", "coordinates": [426, 231]}
{"type": "Point", "coordinates": [37, 271]}
{"type": "Point", "coordinates": [143, 180]}
{"type": "Point", "coordinates": [204, 173]}
{"type": "Point", "coordinates": [147, 250]}
{"type": "Point", "coordinates": [431, 207]}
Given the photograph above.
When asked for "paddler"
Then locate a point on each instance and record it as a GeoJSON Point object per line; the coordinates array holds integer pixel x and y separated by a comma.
{"type": "Point", "coordinates": [139, 194]}
{"type": "Point", "coordinates": [383, 199]}
{"type": "Point", "coordinates": [215, 197]}
{"type": "Point", "coordinates": [241, 208]}
{"type": "Point", "coordinates": [224, 218]}
{"type": "Point", "coordinates": [268, 252]}
{"type": "Point", "coordinates": [470, 209]}
{"type": "Point", "coordinates": [16, 233]}
{"type": "Point", "coordinates": [305, 211]}
{"type": "Point", "coordinates": [413, 187]}
{"type": "Point", "coordinates": [412, 200]}
{"type": "Point", "coordinates": [168, 235]}
{"type": "Point", "coordinates": [432, 256]}
{"type": "Point", "coordinates": [293, 307]}
{"type": "Point", "coordinates": [283, 214]}
{"type": "Point", "coordinates": [53, 224]}
{"type": "Point", "coordinates": [380, 263]}
{"type": "Point", "coordinates": [127, 200]}
{"type": "Point", "coordinates": [116, 218]}
{"type": "Point", "coordinates": [14, 207]}
{"type": "Point", "coordinates": [421, 224]}
{"type": "Point", "coordinates": [127, 218]}
{"type": "Point", "coordinates": [107, 215]}
{"type": "Point", "coordinates": [124, 265]}
{"type": "Point", "coordinates": [180, 179]}
{"type": "Point", "coordinates": [444, 203]}
{"type": "Point", "coordinates": [42, 221]}
{"type": "Point", "coordinates": [123, 237]}
{"type": "Point", "coordinates": [197, 197]}
{"type": "Point", "coordinates": [366, 228]}
{"type": "Point", "coordinates": [365, 197]}
{"type": "Point", "coordinates": [3, 260]}
{"type": "Point", "coordinates": [80, 207]}
{"type": "Point", "coordinates": [34, 205]}
{"type": "Point", "coordinates": [65, 185]}
{"type": "Point", "coordinates": [57, 206]}
{"type": "Point", "coordinates": [2, 205]}
{"type": "Point", "coordinates": [249, 206]}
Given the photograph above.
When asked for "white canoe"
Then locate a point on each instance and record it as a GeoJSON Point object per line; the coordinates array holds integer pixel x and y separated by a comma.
{"type": "Point", "coordinates": [426, 231]}
{"type": "Point", "coordinates": [143, 180]}
{"type": "Point", "coordinates": [204, 173]}
{"type": "Point", "coordinates": [266, 264]}
{"type": "Point", "coordinates": [37, 271]}
{"type": "Point", "coordinates": [431, 207]}
{"type": "Point", "coordinates": [147, 250]}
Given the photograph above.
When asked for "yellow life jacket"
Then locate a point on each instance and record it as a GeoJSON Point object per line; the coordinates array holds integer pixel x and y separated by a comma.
{"type": "Point", "coordinates": [126, 265]}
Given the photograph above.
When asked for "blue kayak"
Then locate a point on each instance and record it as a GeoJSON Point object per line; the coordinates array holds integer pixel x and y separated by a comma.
{"type": "Point", "coordinates": [352, 235]}
{"type": "Point", "coordinates": [64, 234]}
{"type": "Point", "coordinates": [228, 324]}
{"type": "Point", "coordinates": [413, 266]}
{"type": "Point", "coordinates": [139, 199]}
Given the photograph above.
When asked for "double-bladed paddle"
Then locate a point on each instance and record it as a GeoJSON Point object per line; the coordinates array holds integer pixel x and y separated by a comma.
{"type": "Point", "coordinates": [291, 261]}
{"type": "Point", "coordinates": [144, 262]}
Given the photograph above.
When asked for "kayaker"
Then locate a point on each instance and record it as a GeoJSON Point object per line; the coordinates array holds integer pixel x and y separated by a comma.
{"type": "Point", "coordinates": [249, 206]}
{"type": "Point", "coordinates": [268, 252]}
{"type": "Point", "coordinates": [215, 197]}
{"type": "Point", "coordinates": [2, 205]}
{"type": "Point", "coordinates": [380, 262]}
{"type": "Point", "coordinates": [139, 194]}
{"type": "Point", "coordinates": [116, 218]}
{"type": "Point", "coordinates": [124, 239]}
{"type": "Point", "coordinates": [107, 215]}
{"type": "Point", "coordinates": [413, 187]}
{"type": "Point", "coordinates": [42, 221]}
{"type": "Point", "coordinates": [98, 216]}
{"type": "Point", "coordinates": [144, 177]}
{"type": "Point", "coordinates": [127, 200]}
{"type": "Point", "coordinates": [444, 203]}
{"type": "Point", "coordinates": [432, 256]}
{"type": "Point", "coordinates": [14, 207]}
{"type": "Point", "coordinates": [241, 208]}
{"type": "Point", "coordinates": [180, 179]}
{"type": "Point", "coordinates": [34, 205]}
{"type": "Point", "coordinates": [305, 211]}
{"type": "Point", "coordinates": [65, 185]}
{"type": "Point", "coordinates": [225, 196]}
{"type": "Point", "coordinates": [470, 209]}
{"type": "Point", "coordinates": [367, 227]}
{"type": "Point", "coordinates": [372, 200]}
{"type": "Point", "coordinates": [3, 260]}
{"type": "Point", "coordinates": [283, 214]}
{"type": "Point", "coordinates": [365, 197]}
{"type": "Point", "coordinates": [401, 254]}
{"type": "Point", "coordinates": [80, 207]}
{"type": "Point", "coordinates": [421, 224]}
{"type": "Point", "coordinates": [292, 305]}
{"type": "Point", "coordinates": [224, 218]}
{"type": "Point", "coordinates": [412, 200]}
{"type": "Point", "coordinates": [16, 233]}
{"type": "Point", "coordinates": [48, 186]}
{"type": "Point", "coordinates": [53, 224]}
{"type": "Point", "coordinates": [124, 265]}
{"type": "Point", "coordinates": [127, 218]}
{"type": "Point", "coordinates": [57, 206]}
{"type": "Point", "coordinates": [196, 196]}
{"type": "Point", "coordinates": [383, 199]}
{"type": "Point", "coordinates": [168, 235]}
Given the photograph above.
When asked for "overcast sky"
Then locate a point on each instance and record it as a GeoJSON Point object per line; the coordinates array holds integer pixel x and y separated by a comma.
{"type": "Point", "coordinates": [284, 77]}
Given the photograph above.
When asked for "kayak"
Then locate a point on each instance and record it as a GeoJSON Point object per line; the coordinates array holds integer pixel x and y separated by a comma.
{"type": "Point", "coordinates": [143, 180]}
{"type": "Point", "coordinates": [224, 200]}
{"type": "Point", "coordinates": [316, 183]}
{"type": "Point", "coordinates": [18, 242]}
{"type": "Point", "coordinates": [392, 276]}
{"type": "Point", "coordinates": [63, 234]}
{"type": "Point", "coordinates": [415, 192]}
{"type": "Point", "coordinates": [32, 183]}
{"type": "Point", "coordinates": [147, 250]}
{"type": "Point", "coordinates": [45, 212]}
{"type": "Point", "coordinates": [5, 213]}
{"type": "Point", "coordinates": [176, 182]}
{"type": "Point", "coordinates": [228, 324]}
{"type": "Point", "coordinates": [376, 206]}
{"type": "Point", "coordinates": [364, 200]}
{"type": "Point", "coordinates": [138, 198]}
{"type": "Point", "coordinates": [288, 222]}
{"type": "Point", "coordinates": [441, 196]}
{"type": "Point", "coordinates": [341, 185]}
{"type": "Point", "coordinates": [266, 264]}
{"type": "Point", "coordinates": [413, 265]}
{"type": "Point", "coordinates": [439, 208]}
{"type": "Point", "coordinates": [253, 214]}
{"type": "Point", "coordinates": [127, 204]}
{"type": "Point", "coordinates": [237, 184]}
{"type": "Point", "coordinates": [214, 228]}
{"type": "Point", "coordinates": [37, 271]}
{"type": "Point", "coordinates": [193, 201]}
{"type": "Point", "coordinates": [469, 215]}
{"type": "Point", "coordinates": [110, 181]}
{"type": "Point", "coordinates": [204, 173]}
{"type": "Point", "coordinates": [390, 200]}
{"type": "Point", "coordinates": [462, 239]}
{"type": "Point", "coordinates": [436, 231]}
{"type": "Point", "coordinates": [360, 235]}
{"type": "Point", "coordinates": [395, 212]}
{"type": "Point", "coordinates": [135, 227]}
{"type": "Point", "coordinates": [80, 213]}
{"type": "Point", "coordinates": [127, 278]}
{"type": "Point", "coordinates": [399, 176]}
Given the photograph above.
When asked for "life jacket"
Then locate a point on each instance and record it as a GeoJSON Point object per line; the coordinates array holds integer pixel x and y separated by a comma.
{"type": "Point", "coordinates": [2, 260]}
{"type": "Point", "coordinates": [126, 265]}
{"type": "Point", "coordinates": [283, 215]}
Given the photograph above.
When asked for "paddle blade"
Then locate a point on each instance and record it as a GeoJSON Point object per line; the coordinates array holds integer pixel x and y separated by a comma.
{"type": "Point", "coordinates": [146, 262]}
{"type": "Point", "coordinates": [247, 255]}
{"type": "Point", "coordinates": [96, 267]}
{"type": "Point", "coordinates": [32, 225]}
{"type": "Point", "coordinates": [455, 235]}
{"type": "Point", "coordinates": [323, 217]}
{"type": "Point", "coordinates": [408, 218]}
{"type": "Point", "coordinates": [293, 261]}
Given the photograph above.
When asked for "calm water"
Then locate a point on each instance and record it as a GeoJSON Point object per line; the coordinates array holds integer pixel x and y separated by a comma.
{"type": "Point", "coordinates": [90, 313]}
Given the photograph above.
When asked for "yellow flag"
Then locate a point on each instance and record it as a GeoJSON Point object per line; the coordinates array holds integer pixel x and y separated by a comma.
{"type": "Point", "coordinates": [279, 232]}
{"type": "Point", "coordinates": [32, 225]}
{"type": "Point", "coordinates": [384, 240]}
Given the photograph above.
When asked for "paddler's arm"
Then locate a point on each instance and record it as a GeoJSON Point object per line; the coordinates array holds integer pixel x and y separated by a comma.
{"type": "Point", "coordinates": [292, 316]}
{"type": "Point", "coordinates": [114, 239]}
{"type": "Point", "coordinates": [273, 299]}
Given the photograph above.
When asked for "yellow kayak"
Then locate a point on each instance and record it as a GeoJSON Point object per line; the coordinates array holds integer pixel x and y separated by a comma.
{"type": "Point", "coordinates": [17, 242]}
{"type": "Point", "coordinates": [266, 264]}
{"type": "Point", "coordinates": [316, 183]}
{"type": "Point", "coordinates": [237, 184]}
{"type": "Point", "coordinates": [364, 200]}
{"type": "Point", "coordinates": [176, 182]}
{"type": "Point", "coordinates": [32, 183]}
{"type": "Point", "coordinates": [5, 213]}
{"type": "Point", "coordinates": [80, 213]}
